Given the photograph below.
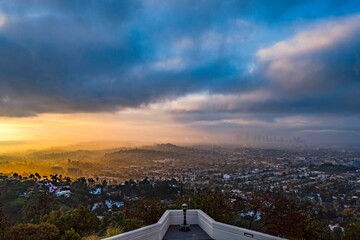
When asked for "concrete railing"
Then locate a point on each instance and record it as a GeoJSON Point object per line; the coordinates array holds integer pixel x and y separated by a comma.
{"type": "Point", "coordinates": [214, 229]}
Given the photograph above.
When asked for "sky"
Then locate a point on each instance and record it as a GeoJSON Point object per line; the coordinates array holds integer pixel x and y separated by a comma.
{"type": "Point", "coordinates": [201, 71]}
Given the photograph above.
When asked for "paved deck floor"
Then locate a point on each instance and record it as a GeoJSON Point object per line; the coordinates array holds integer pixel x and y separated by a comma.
{"type": "Point", "coordinates": [196, 233]}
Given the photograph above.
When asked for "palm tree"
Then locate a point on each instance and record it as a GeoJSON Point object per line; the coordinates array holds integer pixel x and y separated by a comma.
{"type": "Point", "coordinates": [54, 178]}
{"type": "Point", "coordinates": [68, 180]}
{"type": "Point", "coordinates": [32, 176]}
{"type": "Point", "coordinates": [91, 182]}
{"type": "Point", "coordinates": [37, 176]}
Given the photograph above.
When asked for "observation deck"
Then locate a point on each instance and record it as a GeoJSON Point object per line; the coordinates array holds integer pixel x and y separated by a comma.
{"type": "Point", "coordinates": [202, 226]}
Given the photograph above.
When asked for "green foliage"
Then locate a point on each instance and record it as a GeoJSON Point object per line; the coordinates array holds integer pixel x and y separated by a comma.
{"type": "Point", "coordinates": [12, 208]}
{"type": "Point", "coordinates": [81, 219]}
{"type": "Point", "coordinates": [148, 210]}
{"type": "Point", "coordinates": [64, 207]}
{"type": "Point", "coordinates": [13, 213]}
{"type": "Point", "coordinates": [91, 237]}
{"type": "Point", "coordinates": [112, 219]}
{"type": "Point", "coordinates": [117, 220]}
{"type": "Point", "coordinates": [3, 223]}
{"type": "Point", "coordinates": [215, 205]}
{"type": "Point", "coordinates": [70, 235]}
{"type": "Point", "coordinates": [352, 231]}
{"type": "Point", "coordinates": [337, 234]}
{"type": "Point", "coordinates": [79, 193]}
{"type": "Point", "coordinates": [131, 224]}
{"type": "Point", "coordinates": [17, 201]}
{"type": "Point", "coordinates": [43, 231]}
{"type": "Point", "coordinates": [280, 216]}
{"type": "Point", "coordinates": [112, 231]}
{"type": "Point", "coordinates": [159, 189]}
{"type": "Point", "coordinates": [116, 217]}
{"type": "Point", "coordinates": [315, 229]}
{"type": "Point", "coordinates": [39, 204]}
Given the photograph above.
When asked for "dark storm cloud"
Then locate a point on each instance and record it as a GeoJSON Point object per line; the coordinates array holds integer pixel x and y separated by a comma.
{"type": "Point", "coordinates": [93, 56]}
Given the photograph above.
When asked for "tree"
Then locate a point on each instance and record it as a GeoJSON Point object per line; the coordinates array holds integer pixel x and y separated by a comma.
{"type": "Point", "coordinates": [54, 178]}
{"type": "Point", "coordinates": [148, 210]}
{"type": "Point", "coordinates": [39, 204]}
{"type": "Point", "coordinates": [315, 229]}
{"type": "Point", "coordinates": [67, 180]}
{"type": "Point", "coordinates": [130, 224]}
{"type": "Point", "coordinates": [91, 182]}
{"type": "Point", "coordinates": [43, 231]}
{"type": "Point", "coordinates": [32, 177]}
{"type": "Point", "coordinates": [352, 231]}
{"type": "Point", "coordinates": [70, 235]}
{"type": "Point", "coordinates": [80, 193]}
{"type": "Point", "coordinates": [3, 223]}
{"type": "Point", "coordinates": [104, 183]}
{"type": "Point", "coordinates": [37, 175]}
{"type": "Point", "coordinates": [111, 220]}
{"type": "Point", "coordinates": [338, 234]}
{"type": "Point", "coordinates": [116, 222]}
{"type": "Point", "coordinates": [81, 219]}
{"type": "Point", "coordinates": [278, 215]}
{"type": "Point", "coordinates": [216, 205]}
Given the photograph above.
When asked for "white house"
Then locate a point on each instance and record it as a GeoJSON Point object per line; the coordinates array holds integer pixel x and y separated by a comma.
{"type": "Point", "coordinates": [63, 193]}
{"type": "Point", "coordinates": [110, 203]}
{"type": "Point", "coordinates": [95, 191]}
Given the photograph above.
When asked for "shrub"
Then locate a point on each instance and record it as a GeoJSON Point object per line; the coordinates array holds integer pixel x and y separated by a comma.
{"type": "Point", "coordinates": [42, 231]}
{"type": "Point", "coordinates": [70, 235]}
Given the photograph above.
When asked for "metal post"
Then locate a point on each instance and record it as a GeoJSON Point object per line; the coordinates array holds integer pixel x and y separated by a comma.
{"type": "Point", "coordinates": [184, 217]}
{"type": "Point", "coordinates": [185, 227]}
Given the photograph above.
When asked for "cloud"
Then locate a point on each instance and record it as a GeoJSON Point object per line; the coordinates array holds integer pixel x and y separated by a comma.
{"type": "Point", "coordinates": [312, 59]}
{"type": "Point", "coordinates": [207, 102]}
{"type": "Point", "coordinates": [319, 37]}
{"type": "Point", "coordinates": [90, 56]}
{"type": "Point", "coordinates": [172, 64]}
{"type": "Point", "coordinates": [2, 20]}
{"type": "Point", "coordinates": [315, 71]}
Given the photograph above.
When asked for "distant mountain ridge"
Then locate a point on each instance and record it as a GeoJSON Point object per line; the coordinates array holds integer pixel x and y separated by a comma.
{"type": "Point", "coordinates": [159, 152]}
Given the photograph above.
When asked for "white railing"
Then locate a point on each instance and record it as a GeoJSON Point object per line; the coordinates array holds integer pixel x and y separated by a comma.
{"type": "Point", "coordinates": [214, 229]}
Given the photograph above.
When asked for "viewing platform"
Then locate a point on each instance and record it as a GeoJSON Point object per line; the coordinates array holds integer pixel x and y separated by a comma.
{"type": "Point", "coordinates": [202, 227]}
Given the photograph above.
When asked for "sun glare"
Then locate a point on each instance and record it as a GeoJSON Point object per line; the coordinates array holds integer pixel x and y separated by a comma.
{"type": "Point", "coordinates": [9, 132]}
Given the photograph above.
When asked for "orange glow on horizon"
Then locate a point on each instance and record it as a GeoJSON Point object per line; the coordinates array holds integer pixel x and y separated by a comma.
{"type": "Point", "coordinates": [48, 130]}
